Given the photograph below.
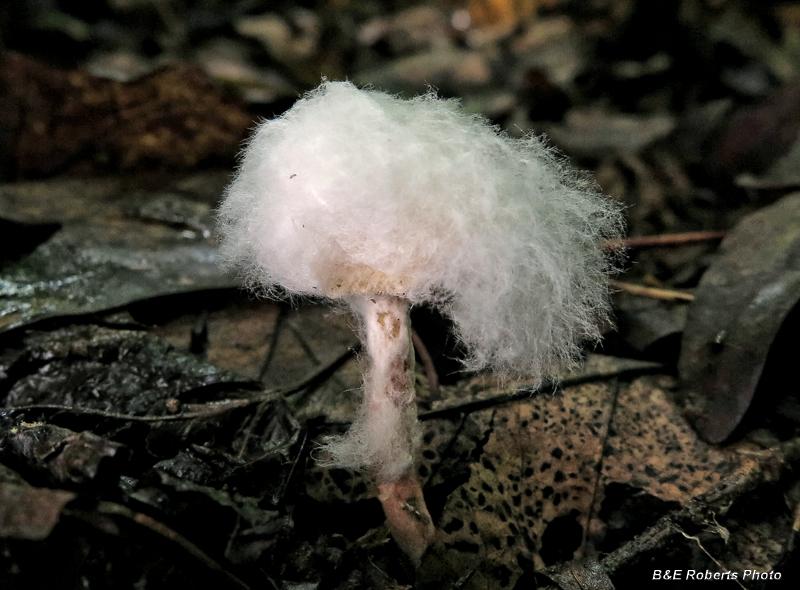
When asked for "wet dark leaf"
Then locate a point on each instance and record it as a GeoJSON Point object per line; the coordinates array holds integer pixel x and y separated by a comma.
{"type": "Point", "coordinates": [60, 454]}
{"type": "Point", "coordinates": [117, 245]}
{"type": "Point", "coordinates": [116, 371]}
{"type": "Point", "coordinates": [233, 525]}
{"type": "Point", "coordinates": [739, 307]}
{"type": "Point", "coordinates": [649, 327]}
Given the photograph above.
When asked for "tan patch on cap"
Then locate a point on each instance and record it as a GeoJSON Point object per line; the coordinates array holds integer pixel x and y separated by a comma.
{"type": "Point", "coordinates": [360, 279]}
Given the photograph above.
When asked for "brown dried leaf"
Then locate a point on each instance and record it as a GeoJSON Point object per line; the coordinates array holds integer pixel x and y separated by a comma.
{"type": "Point", "coordinates": [594, 133]}
{"type": "Point", "coordinates": [30, 513]}
{"type": "Point", "coordinates": [172, 118]}
{"type": "Point", "coordinates": [530, 491]}
{"type": "Point", "coordinates": [239, 335]}
{"type": "Point", "coordinates": [449, 69]}
{"type": "Point", "coordinates": [309, 339]}
{"type": "Point", "coordinates": [494, 19]}
{"type": "Point", "coordinates": [652, 449]}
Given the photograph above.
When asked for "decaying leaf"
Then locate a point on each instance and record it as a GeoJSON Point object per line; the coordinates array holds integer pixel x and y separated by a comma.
{"type": "Point", "coordinates": [30, 513]}
{"type": "Point", "coordinates": [739, 306]}
{"type": "Point", "coordinates": [594, 133]}
{"type": "Point", "coordinates": [311, 337]}
{"type": "Point", "coordinates": [528, 498]}
{"type": "Point", "coordinates": [237, 337]}
{"type": "Point", "coordinates": [173, 117]}
{"type": "Point", "coordinates": [652, 463]}
{"type": "Point", "coordinates": [517, 483]}
{"type": "Point", "coordinates": [264, 341]}
{"type": "Point", "coordinates": [109, 370]}
{"type": "Point", "coordinates": [118, 243]}
{"type": "Point", "coordinates": [649, 326]}
{"type": "Point", "coordinates": [194, 461]}
{"type": "Point", "coordinates": [581, 575]}
{"type": "Point", "coordinates": [60, 454]}
{"type": "Point", "coordinates": [242, 529]}
{"type": "Point", "coordinates": [756, 138]}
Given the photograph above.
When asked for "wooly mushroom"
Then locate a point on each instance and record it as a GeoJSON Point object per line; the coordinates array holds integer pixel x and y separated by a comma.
{"type": "Point", "coordinates": [386, 203]}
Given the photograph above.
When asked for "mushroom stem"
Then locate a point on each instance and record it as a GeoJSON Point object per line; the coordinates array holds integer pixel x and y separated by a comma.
{"type": "Point", "coordinates": [391, 419]}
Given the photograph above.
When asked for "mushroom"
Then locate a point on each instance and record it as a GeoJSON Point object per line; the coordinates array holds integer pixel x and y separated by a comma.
{"type": "Point", "coordinates": [384, 203]}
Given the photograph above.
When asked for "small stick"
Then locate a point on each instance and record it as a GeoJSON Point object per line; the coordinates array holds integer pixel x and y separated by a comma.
{"type": "Point", "coordinates": [694, 237]}
{"type": "Point", "coordinates": [427, 363]}
{"type": "Point", "coordinates": [159, 528]}
{"type": "Point", "coordinates": [652, 292]}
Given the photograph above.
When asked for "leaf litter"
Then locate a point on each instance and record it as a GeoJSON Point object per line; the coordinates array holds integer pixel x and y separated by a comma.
{"type": "Point", "coordinates": [221, 456]}
{"type": "Point", "coordinates": [190, 459]}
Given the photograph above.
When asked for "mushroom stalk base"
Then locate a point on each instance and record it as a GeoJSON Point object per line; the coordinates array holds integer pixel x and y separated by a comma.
{"type": "Point", "coordinates": [391, 418]}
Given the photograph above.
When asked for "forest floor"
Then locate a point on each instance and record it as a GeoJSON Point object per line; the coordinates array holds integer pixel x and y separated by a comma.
{"type": "Point", "coordinates": [159, 427]}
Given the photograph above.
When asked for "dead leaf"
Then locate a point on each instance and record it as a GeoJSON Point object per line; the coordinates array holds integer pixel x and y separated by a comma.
{"type": "Point", "coordinates": [783, 174]}
{"type": "Point", "coordinates": [758, 137]}
{"type": "Point", "coordinates": [172, 118]}
{"type": "Point", "coordinates": [581, 575]}
{"type": "Point", "coordinates": [740, 304]}
{"type": "Point", "coordinates": [411, 30]}
{"type": "Point", "coordinates": [491, 20]}
{"type": "Point", "coordinates": [30, 513]}
{"type": "Point", "coordinates": [593, 133]}
{"type": "Point", "coordinates": [652, 454]}
{"type": "Point", "coordinates": [649, 326]}
{"type": "Point", "coordinates": [60, 454]}
{"type": "Point", "coordinates": [311, 338]}
{"type": "Point", "coordinates": [527, 499]}
{"type": "Point", "coordinates": [117, 244]}
{"type": "Point", "coordinates": [238, 336]}
{"type": "Point", "coordinates": [449, 69]}
{"type": "Point", "coordinates": [111, 370]}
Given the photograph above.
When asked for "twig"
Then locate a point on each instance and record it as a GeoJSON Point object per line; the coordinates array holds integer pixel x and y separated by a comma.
{"type": "Point", "coordinates": [652, 292]}
{"type": "Point", "coordinates": [164, 531]}
{"type": "Point", "coordinates": [473, 405]}
{"type": "Point", "coordinates": [273, 343]}
{"type": "Point", "coordinates": [216, 408]}
{"type": "Point", "coordinates": [427, 363]}
{"type": "Point", "coordinates": [704, 550]}
{"type": "Point", "coordinates": [716, 501]}
{"type": "Point", "coordinates": [251, 427]}
{"type": "Point", "coordinates": [662, 240]}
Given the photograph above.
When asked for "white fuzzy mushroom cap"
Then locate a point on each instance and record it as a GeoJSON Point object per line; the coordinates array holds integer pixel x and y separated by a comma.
{"type": "Point", "coordinates": [356, 191]}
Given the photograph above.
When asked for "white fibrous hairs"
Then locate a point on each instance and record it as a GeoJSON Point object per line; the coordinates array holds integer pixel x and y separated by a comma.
{"type": "Point", "coordinates": [353, 191]}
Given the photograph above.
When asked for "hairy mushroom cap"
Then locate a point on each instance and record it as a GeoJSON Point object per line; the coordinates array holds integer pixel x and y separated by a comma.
{"type": "Point", "coordinates": [357, 191]}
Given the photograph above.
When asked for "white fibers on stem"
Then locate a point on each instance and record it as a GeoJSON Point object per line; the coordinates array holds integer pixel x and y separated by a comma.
{"type": "Point", "coordinates": [385, 433]}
